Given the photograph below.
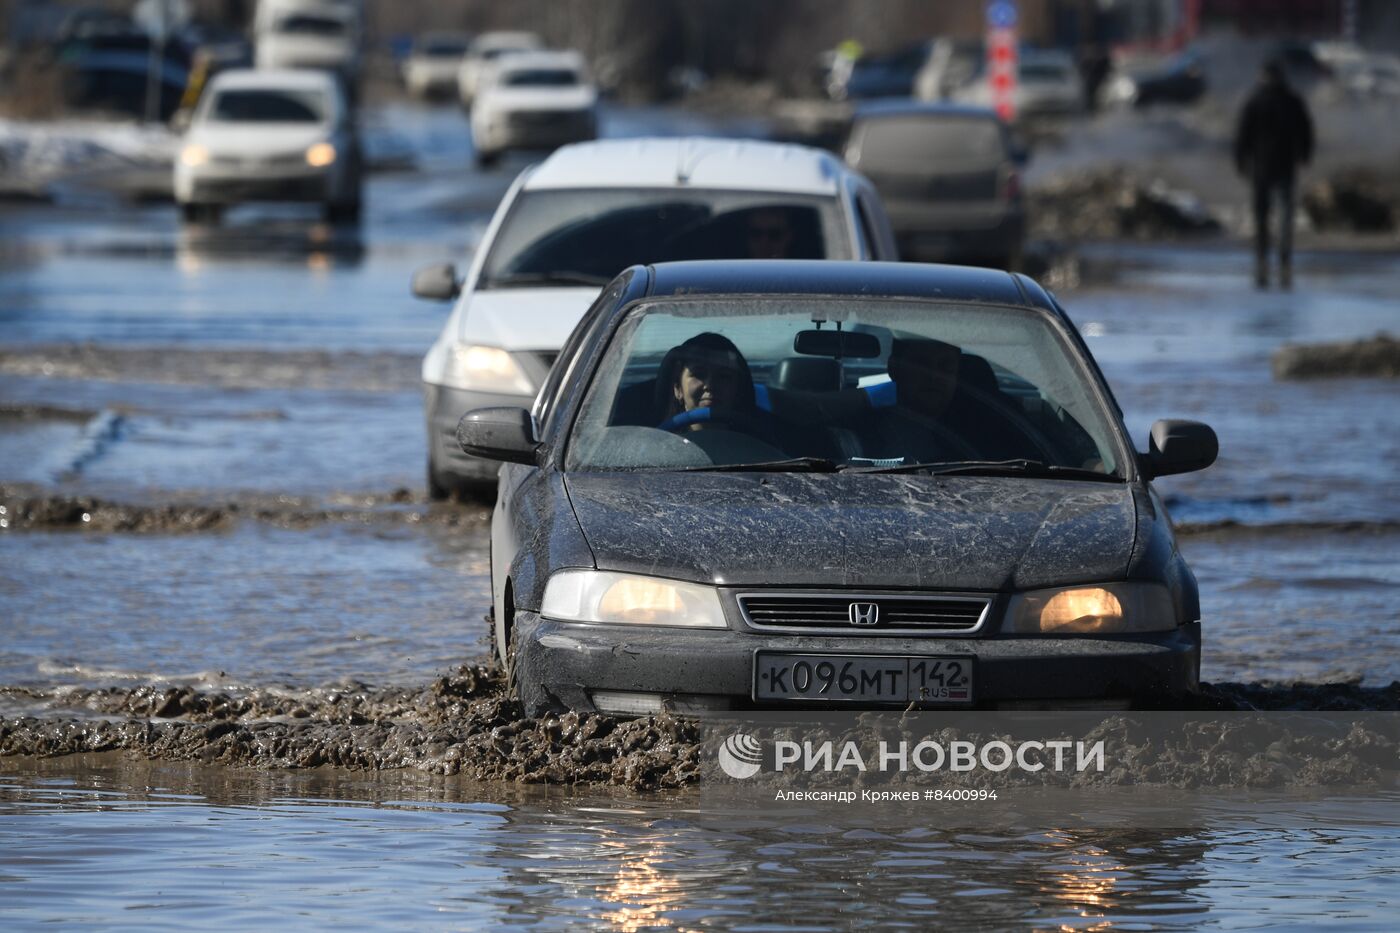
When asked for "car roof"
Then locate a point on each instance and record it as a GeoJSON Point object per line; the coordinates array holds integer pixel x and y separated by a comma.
{"type": "Point", "coordinates": [693, 162]}
{"type": "Point", "coordinates": [279, 79]}
{"type": "Point", "coordinates": [902, 107]}
{"type": "Point", "coordinates": [506, 39]}
{"type": "Point", "coordinates": [553, 58]}
{"type": "Point", "coordinates": [856, 279]}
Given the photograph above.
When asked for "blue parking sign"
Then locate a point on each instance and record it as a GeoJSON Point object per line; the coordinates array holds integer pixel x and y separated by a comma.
{"type": "Point", "coordinates": [1001, 14]}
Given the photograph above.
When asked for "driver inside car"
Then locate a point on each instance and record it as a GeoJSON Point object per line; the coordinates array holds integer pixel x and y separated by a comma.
{"type": "Point", "coordinates": [704, 380]}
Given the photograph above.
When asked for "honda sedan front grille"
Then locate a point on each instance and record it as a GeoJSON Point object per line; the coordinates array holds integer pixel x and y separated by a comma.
{"type": "Point", "coordinates": [855, 613]}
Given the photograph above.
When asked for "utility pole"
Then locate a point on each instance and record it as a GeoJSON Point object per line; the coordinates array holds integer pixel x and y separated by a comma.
{"type": "Point", "coordinates": [155, 63]}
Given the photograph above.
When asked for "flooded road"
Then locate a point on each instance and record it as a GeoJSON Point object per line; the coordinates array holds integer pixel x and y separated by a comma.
{"type": "Point", "coordinates": [211, 469]}
{"type": "Point", "coordinates": [406, 850]}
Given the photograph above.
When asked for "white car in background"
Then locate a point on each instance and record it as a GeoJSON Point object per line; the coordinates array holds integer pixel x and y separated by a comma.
{"type": "Point", "coordinates": [534, 100]}
{"type": "Point", "coordinates": [315, 34]}
{"type": "Point", "coordinates": [569, 225]}
{"type": "Point", "coordinates": [270, 136]}
{"type": "Point", "coordinates": [1047, 85]}
{"type": "Point", "coordinates": [484, 51]}
{"type": "Point", "coordinates": [430, 71]}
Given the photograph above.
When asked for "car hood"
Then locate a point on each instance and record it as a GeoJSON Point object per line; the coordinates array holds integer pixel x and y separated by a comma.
{"type": "Point", "coordinates": [507, 99]}
{"type": "Point", "coordinates": [824, 530]}
{"type": "Point", "coordinates": [256, 139]}
{"type": "Point", "coordinates": [523, 318]}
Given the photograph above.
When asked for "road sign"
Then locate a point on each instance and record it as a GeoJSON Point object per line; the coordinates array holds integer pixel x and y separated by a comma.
{"type": "Point", "coordinates": [1002, 70]}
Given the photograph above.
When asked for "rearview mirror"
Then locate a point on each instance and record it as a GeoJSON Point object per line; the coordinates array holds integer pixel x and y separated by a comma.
{"type": "Point", "coordinates": [1179, 447]}
{"type": "Point", "coordinates": [437, 283]}
{"type": "Point", "coordinates": [842, 344]}
{"type": "Point", "coordinates": [499, 434]}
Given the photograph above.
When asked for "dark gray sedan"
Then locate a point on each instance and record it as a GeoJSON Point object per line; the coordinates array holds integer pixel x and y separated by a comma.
{"type": "Point", "coordinates": [802, 484]}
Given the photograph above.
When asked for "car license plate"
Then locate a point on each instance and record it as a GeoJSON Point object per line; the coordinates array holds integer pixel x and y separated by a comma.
{"type": "Point", "coordinates": [863, 678]}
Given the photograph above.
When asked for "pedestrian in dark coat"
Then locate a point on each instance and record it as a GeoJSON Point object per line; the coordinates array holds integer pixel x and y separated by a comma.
{"type": "Point", "coordinates": [1274, 137]}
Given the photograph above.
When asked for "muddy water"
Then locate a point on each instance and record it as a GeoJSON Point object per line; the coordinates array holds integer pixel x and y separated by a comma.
{"type": "Point", "coordinates": [233, 628]}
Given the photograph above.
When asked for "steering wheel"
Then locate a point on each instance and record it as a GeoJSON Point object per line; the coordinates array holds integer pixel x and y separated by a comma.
{"type": "Point", "coordinates": [733, 419]}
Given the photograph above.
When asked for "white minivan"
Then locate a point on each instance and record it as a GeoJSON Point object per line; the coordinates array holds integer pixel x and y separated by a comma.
{"type": "Point", "coordinates": [567, 226]}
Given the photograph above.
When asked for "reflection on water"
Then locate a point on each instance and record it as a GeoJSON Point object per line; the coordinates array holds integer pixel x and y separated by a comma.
{"type": "Point", "coordinates": [178, 843]}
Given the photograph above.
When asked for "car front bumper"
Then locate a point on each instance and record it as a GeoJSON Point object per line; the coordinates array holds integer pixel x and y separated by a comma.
{"type": "Point", "coordinates": [565, 664]}
{"type": "Point", "coordinates": [544, 131]}
{"type": "Point", "coordinates": [259, 185]}
{"type": "Point", "coordinates": [928, 232]}
{"type": "Point", "coordinates": [445, 406]}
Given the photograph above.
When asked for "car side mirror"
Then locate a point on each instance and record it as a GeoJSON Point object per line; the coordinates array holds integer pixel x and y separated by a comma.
{"type": "Point", "coordinates": [437, 283]}
{"type": "Point", "coordinates": [499, 434]}
{"type": "Point", "coordinates": [1179, 447]}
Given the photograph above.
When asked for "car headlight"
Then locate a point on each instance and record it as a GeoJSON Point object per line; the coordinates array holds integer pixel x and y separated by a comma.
{"type": "Point", "coordinates": [630, 599]}
{"type": "Point", "coordinates": [320, 155]}
{"type": "Point", "coordinates": [1110, 609]}
{"type": "Point", "coordinates": [485, 369]}
{"type": "Point", "coordinates": [194, 155]}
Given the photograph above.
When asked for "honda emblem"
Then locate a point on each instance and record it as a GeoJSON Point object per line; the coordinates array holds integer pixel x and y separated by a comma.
{"type": "Point", "coordinates": [864, 613]}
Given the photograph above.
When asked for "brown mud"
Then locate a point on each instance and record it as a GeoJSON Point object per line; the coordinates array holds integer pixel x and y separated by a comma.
{"type": "Point", "coordinates": [25, 508]}
{"type": "Point", "coordinates": [465, 724]}
{"type": "Point", "coordinates": [217, 368]}
{"type": "Point", "coordinates": [1373, 357]}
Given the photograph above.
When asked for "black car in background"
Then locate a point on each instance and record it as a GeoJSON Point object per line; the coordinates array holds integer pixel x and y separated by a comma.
{"type": "Point", "coordinates": [768, 484]}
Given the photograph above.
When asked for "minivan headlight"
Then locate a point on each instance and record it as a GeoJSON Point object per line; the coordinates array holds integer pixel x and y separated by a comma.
{"type": "Point", "coordinates": [485, 369]}
{"type": "Point", "coordinates": [630, 599]}
{"type": "Point", "coordinates": [1109, 609]}
{"type": "Point", "coordinates": [194, 155]}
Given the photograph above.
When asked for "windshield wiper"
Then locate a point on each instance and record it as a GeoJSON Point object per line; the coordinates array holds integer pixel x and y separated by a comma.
{"type": "Point", "coordinates": [1031, 468]}
{"type": "Point", "coordinates": [794, 465]}
{"type": "Point", "coordinates": [523, 279]}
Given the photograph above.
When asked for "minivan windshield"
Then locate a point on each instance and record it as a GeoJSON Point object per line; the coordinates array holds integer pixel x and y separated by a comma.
{"type": "Point", "coordinates": [587, 236]}
{"type": "Point", "coordinates": [268, 106]}
{"type": "Point", "coordinates": [811, 383]}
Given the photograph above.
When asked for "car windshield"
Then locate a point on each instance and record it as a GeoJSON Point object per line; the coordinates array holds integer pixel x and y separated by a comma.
{"type": "Point", "coordinates": [541, 77]}
{"type": "Point", "coordinates": [921, 142]}
{"type": "Point", "coordinates": [807, 383]}
{"type": "Point", "coordinates": [269, 106]}
{"type": "Point", "coordinates": [445, 48]}
{"type": "Point", "coordinates": [303, 25]}
{"type": "Point", "coordinates": [576, 237]}
{"type": "Point", "coordinates": [1044, 73]}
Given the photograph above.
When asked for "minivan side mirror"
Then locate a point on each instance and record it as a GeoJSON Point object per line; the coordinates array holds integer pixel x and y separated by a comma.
{"type": "Point", "coordinates": [437, 283]}
{"type": "Point", "coordinates": [499, 434]}
{"type": "Point", "coordinates": [1179, 447]}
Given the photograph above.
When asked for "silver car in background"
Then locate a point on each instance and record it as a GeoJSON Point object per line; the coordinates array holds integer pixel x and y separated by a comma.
{"type": "Point", "coordinates": [270, 136]}
{"type": "Point", "coordinates": [430, 71]}
{"type": "Point", "coordinates": [534, 100]}
{"type": "Point", "coordinates": [482, 56]}
{"type": "Point", "coordinates": [949, 176]}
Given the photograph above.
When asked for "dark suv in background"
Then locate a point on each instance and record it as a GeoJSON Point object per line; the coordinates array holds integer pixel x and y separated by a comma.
{"type": "Point", "coordinates": [949, 176]}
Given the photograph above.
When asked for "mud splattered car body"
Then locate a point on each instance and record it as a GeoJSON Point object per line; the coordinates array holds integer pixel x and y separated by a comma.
{"type": "Point", "coordinates": [793, 552]}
